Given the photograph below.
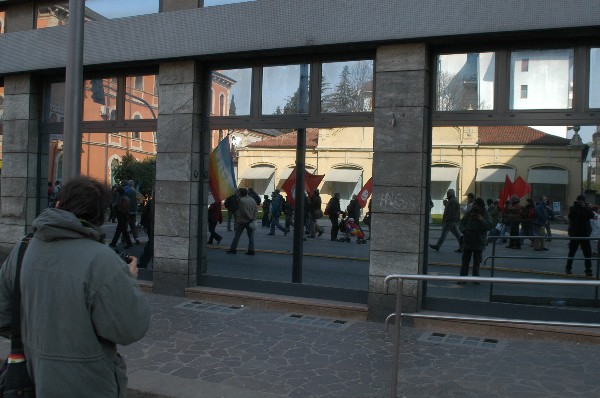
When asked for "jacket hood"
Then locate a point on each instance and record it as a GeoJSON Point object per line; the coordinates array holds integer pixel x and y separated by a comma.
{"type": "Point", "coordinates": [55, 224]}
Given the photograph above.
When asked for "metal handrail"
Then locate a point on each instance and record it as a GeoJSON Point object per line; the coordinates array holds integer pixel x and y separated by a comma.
{"type": "Point", "coordinates": [398, 310]}
{"type": "Point", "coordinates": [493, 257]}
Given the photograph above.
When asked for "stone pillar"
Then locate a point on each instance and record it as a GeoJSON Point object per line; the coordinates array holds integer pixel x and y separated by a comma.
{"type": "Point", "coordinates": [400, 164]}
{"type": "Point", "coordinates": [180, 177]}
{"type": "Point", "coordinates": [19, 204]}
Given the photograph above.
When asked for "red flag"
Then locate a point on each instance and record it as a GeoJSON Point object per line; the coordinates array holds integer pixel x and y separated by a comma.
{"type": "Point", "coordinates": [364, 193]}
{"type": "Point", "coordinates": [311, 182]}
{"type": "Point", "coordinates": [520, 187]}
{"type": "Point", "coordinates": [505, 192]}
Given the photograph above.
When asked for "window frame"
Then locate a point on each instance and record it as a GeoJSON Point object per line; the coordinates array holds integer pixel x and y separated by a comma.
{"type": "Point", "coordinates": [120, 123]}
{"type": "Point", "coordinates": [314, 117]}
{"type": "Point", "coordinates": [579, 114]}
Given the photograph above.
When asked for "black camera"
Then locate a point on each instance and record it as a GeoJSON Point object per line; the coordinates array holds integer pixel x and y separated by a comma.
{"type": "Point", "coordinates": [124, 256]}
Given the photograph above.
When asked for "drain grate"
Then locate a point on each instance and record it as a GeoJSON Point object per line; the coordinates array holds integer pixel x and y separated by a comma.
{"type": "Point", "coordinates": [200, 306]}
{"type": "Point", "coordinates": [308, 320]}
{"type": "Point", "coordinates": [458, 340]}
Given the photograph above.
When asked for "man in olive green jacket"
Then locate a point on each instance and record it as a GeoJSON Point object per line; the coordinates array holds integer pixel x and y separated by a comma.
{"type": "Point", "coordinates": [79, 299]}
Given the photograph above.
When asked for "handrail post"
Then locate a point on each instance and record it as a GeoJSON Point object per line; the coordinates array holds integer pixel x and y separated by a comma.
{"type": "Point", "coordinates": [396, 353]}
{"type": "Point", "coordinates": [493, 265]}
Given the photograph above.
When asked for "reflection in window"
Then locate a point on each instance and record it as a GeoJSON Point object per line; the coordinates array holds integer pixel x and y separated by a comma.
{"type": "Point", "coordinates": [465, 82]}
{"type": "Point", "coordinates": [523, 90]}
{"type": "Point", "coordinates": [100, 96]}
{"type": "Point", "coordinates": [53, 15]}
{"type": "Point", "coordinates": [2, 21]}
{"type": "Point", "coordinates": [549, 78]}
{"type": "Point", "coordinates": [101, 151]}
{"type": "Point", "coordinates": [140, 97]}
{"type": "Point", "coordinates": [595, 78]}
{"type": "Point", "coordinates": [347, 87]}
{"type": "Point", "coordinates": [54, 102]}
{"type": "Point", "coordinates": [210, 3]}
{"type": "Point", "coordinates": [118, 9]}
{"type": "Point", "coordinates": [281, 90]}
{"type": "Point", "coordinates": [231, 91]}
{"type": "Point", "coordinates": [263, 160]}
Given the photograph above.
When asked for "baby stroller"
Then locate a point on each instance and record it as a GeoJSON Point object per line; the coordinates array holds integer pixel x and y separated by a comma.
{"type": "Point", "coordinates": [350, 228]}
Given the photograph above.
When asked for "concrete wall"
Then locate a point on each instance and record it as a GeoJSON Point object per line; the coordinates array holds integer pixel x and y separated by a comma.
{"type": "Point", "coordinates": [180, 180]}
{"type": "Point", "coordinates": [400, 164]}
{"type": "Point", "coordinates": [281, 24]}
{"type": "Point", "coordinates": [20, 184]}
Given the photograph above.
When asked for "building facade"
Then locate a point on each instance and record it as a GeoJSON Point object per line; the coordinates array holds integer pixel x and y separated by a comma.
{"type": "Point", "coordinates": [432, 65]}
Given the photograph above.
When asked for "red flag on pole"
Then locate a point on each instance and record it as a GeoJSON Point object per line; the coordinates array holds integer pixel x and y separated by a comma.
{"type": "Point", "coordinates": [505, 192]}
{"type": "Point", "coordinates": [364, 193]}
{"type": "Point", "coordinates": [311, 182]}
{"type": "Point", "coordinates": [520, 187]}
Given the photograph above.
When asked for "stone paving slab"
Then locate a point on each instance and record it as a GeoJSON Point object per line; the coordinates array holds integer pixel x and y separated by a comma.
{"type": "Point", "coordinates": [250, 354]}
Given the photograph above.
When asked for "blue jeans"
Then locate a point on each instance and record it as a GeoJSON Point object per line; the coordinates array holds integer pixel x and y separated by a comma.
{"type": "Point", "coordinates": [275, 223]}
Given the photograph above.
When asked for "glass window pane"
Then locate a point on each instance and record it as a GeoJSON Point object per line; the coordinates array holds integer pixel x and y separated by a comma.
{"type": "Point", "coordinates": [54, 102]}
{"type": "Point", "coordinates": [548, 78]}
{"type": "Point", "coordinates": [99, 99]}
{"type": "Point", "coordinates": [465, 82]}
{"type": "Point", "coordinates": [280, 90]}
{"type": "Point", "coordinates": [264, 160]}
{"type": "Point", "coordinates": [141, 100]}
{"type": "Point", "coordinates": [231, 92]}
{"type": "Point", "coordinates": [595, 78]}
{"type": "Point", "coordinates": [2, 21]}
{"type": "Point", "coordinates": [347, 87]}
{"type": "Point", "coordinates": [101, 9]}
{"type": "Point", "coordinates": [210, 3]}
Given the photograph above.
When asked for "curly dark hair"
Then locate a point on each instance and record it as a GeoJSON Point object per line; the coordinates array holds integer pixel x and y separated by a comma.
{"type": "Point", "coordinates": [85, 197]}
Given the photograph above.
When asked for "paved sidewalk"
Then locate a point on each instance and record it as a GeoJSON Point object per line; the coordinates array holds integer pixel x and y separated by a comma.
{"type": "Point", "coordinates": [218, 351]}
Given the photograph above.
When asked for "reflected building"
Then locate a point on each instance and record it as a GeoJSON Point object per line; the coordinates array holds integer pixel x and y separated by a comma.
{"type": "Point", "coordinates": [477, 160]}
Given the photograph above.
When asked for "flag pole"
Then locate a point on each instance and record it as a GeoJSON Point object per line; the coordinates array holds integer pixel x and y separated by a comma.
{"type": "Point", "coordinates": [300, 167]}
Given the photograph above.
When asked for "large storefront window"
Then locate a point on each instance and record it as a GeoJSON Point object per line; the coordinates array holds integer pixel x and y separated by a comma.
{"type": "Point", "coordinates": [262, 157]}
{"type": "Point", "coordinates": [114, 159]}
{"type": "Point", "coordinates": [546, 165]}
{"type": "Point", "coordinates": [465, 82]}
{"type": "Point", "coordinates": [594, 88]}
{"type": "Point", "coordinates": [541, 79]}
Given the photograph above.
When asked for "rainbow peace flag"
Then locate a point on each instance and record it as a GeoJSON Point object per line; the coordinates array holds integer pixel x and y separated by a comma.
{"type": "Point", "coordinates": [221, 175]}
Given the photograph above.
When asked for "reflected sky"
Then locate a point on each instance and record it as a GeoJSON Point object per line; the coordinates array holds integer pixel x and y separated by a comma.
{"type": "Point", "coordinates": [120, 8]}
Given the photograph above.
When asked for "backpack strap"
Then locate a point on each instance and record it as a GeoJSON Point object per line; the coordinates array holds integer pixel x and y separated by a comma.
{"type": "Point", "coordinates": [15, 330]}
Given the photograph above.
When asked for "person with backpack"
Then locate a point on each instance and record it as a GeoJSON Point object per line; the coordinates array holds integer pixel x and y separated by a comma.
{"type": "Point", "coordinates": [232, 203]}
{"type": "Point", "coordinates": [276, 209]}
{"type": "Point", "coordinates": [122, 211]}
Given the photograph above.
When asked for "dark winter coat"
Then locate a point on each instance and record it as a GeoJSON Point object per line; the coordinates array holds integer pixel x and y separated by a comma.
{"type": "Point", "coordinates": [579, 220]}
{"type": "Point", "coordinates": [474, 226]}
{"type": "Point", "coordinates": [79, 301]}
